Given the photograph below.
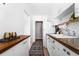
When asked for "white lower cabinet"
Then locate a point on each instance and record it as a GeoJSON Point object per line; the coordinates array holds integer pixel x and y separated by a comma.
{"type": "Point", "coordinates": [51, 47]}
{"type": "Point", "coordinates": [21, 49]}
{"type": "Point", "coordinates": [57, 49]}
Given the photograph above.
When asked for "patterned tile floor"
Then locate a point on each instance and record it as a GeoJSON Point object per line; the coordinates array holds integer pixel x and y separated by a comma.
{"type": "Point", "coordinates": [37, 49]}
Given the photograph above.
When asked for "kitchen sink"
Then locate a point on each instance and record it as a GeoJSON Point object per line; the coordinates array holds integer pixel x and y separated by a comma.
{"type": "Point", "coordinates": [62, 36]}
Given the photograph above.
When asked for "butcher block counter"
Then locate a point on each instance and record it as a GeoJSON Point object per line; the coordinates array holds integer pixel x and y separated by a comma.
{"type": "Point", "coordinates": [70, 42]}
{"type": "Point", "coordinates": [6, 45]}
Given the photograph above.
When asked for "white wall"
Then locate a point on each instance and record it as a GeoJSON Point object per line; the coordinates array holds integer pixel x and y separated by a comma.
{"type": "Point", "coordinates": [12, 18]}
{"type": "Point", "coordinates": [47, 29]}
{"type": "Point", "coordinates": [32, 30]}
{"type": "Point", "coordinates": [27, 25]}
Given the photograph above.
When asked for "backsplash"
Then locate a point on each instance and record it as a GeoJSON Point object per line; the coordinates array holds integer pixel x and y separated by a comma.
{"type": "Point", "coordinates": [72, 29]}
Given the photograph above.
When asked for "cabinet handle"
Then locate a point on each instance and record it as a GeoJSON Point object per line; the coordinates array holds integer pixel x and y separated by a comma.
{"type": "Point", "coordinates": [25, 42]}
{"type": "Point", "coordinates": [64, 50]}
{"type": "Point", "coordinates": [53, 41]}
{"type": "Point", "coordinates": [68, 53]}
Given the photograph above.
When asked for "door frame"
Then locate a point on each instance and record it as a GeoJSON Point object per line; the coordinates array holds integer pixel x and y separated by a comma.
{"type": "Point", "coordinates": [35, 29]}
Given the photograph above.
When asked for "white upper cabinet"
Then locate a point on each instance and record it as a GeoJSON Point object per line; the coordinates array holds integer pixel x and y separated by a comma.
{"type": "Point", "coordinates": [64, 8]}
{"type": "Point", "coordinates": [76, 9]}
{"type": "Point", "coordinates": [61, 12]}
{"type": "Point", "coordinates": [65, 13]}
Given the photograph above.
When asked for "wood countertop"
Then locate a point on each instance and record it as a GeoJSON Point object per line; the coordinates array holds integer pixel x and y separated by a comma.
{"type": "Point", "coordinates": [73, 45]}
{"type": "Point", "coordinates": [6, 45]}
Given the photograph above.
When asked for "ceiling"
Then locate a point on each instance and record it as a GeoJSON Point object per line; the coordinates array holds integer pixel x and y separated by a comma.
{"type": "Point", "coordinates": [47, 9]}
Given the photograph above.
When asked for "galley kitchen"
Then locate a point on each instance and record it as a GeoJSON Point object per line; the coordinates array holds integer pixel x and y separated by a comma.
{"type": "Point", "coordinates": [39, 29]}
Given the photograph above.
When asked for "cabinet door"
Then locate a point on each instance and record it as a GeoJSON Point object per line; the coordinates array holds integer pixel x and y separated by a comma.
{"type": "Point", "coordinates": [70, 52]}
{"type": "Point", "coordinates": [53, 51]}
{"type": "Point", "coordinates": [64, 50]}
{"type": "Point", "coordinates": [60, 49]}
{"type": "Point", "coordinates": [76, 9]}
{"type": "Point", "coordinates": [56, 50]}
{"type": "Point", "coordinates": [21, 49]}
{"type": "Point", "coordinates": [9, 52]}
{"type": "Point", "coordinates": [49, 46]}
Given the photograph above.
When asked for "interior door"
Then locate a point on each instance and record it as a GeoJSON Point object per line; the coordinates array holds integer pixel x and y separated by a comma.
{"type": "Point", "coordinates": [38, 30]}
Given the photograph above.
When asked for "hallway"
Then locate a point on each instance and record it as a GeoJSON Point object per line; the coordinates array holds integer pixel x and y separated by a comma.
{"type": "Point", "coordinates": [37, 48]}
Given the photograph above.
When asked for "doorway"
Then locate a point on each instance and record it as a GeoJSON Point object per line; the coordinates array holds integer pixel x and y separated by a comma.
{"type": "Point", "coordinates": [38, 30]}
{"type": "Point", "coordinates": [37, 47]}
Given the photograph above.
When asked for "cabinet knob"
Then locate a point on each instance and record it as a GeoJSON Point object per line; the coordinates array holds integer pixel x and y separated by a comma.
{"type": "Point", "coordinates": [64, 50]}
{"type": "Point", "coordinates": [25, 42]}
{"type": "Point", "coordinates": [53, 41]}
{"type": "Point", "coordinates": [68, 53]}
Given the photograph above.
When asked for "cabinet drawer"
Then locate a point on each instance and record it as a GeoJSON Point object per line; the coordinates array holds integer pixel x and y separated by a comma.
{"type": "Point", "coordinates": [65, 50]}
{"type": "Point", "coordinates": [70, 52]}
{"type": "Point", "coordinates": [56, 47]}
